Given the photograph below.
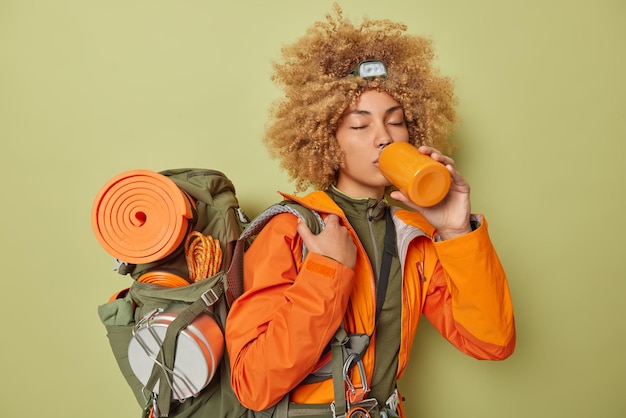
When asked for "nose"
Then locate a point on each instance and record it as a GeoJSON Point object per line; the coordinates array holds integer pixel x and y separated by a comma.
{"type": "Point", "coordinates": [383, 138]}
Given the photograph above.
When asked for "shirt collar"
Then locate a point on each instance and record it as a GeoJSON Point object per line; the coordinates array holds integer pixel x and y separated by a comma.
{"type": "Point", "coordinates": [373, 208]}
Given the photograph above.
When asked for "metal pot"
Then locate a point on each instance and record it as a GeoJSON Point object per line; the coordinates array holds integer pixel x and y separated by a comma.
{"type": "Point", "coordinates": [199, 350]}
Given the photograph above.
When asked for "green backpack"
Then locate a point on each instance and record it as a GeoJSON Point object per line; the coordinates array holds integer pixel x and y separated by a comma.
{"type": "Point", "coordinates": [154, 329]}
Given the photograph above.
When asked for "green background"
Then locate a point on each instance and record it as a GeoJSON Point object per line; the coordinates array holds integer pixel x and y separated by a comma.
{"type": "Point", "coordinates": [89, 89]}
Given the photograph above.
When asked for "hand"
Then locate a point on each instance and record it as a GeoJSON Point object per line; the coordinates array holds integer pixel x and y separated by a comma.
{"type": "Point", "coordinates": [451, 216]}
{"type": "Point", "coordinates": [334, 241]}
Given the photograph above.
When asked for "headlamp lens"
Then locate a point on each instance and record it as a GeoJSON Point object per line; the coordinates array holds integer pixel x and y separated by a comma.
{"type": "Point", "coordinates": [370, 69]}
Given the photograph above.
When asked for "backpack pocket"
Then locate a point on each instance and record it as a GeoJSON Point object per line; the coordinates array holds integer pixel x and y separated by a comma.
{"type": "Point", "coordinates": [177, 326]}
{"type": "Point", "coordinates": [124, 318]}
{"type": "Point", "coordinates": [149, 297]}
{"type": "Point", "coordinates": [117, 316]}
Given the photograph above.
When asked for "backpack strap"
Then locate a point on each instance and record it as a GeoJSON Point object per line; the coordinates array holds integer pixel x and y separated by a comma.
{"type": "Point", "coordinates": [390, 251]}
{"type": "Point", "coordinates": [280, 410]}
{"type": "Point", "coordinates": [163, 369]}
{"type": "Point", "coordinates": [339, 407]}
{"type": "Point", "coordinates": [234, 274]}
{"type": "Point", "coordinates": [353, 346]}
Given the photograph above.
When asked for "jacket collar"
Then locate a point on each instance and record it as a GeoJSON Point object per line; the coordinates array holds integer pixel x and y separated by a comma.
{"type": "Point", "coordinates": [318, 201]}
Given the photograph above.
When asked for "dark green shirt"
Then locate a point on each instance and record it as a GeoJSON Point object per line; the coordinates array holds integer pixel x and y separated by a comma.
{"type": "Point", "coordinates": [367, 217]}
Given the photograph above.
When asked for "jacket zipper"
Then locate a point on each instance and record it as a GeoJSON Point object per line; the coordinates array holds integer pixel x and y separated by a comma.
{"type": "Point", "coordinates": [370, 218]}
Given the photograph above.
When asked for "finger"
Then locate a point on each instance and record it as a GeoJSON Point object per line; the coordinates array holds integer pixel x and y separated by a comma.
{"type": "Point", "coordinates": [402, 198]}
{"type": "Point", "coordinates": [331, 220]}
{"type": "Point", "coordinates": [303, 230]}
{"type": "Point", "coordinates": [437, 155]}
{"type": "Point", "coordinates": [426, 150]}
{"type": "Point", "coordinates": [458, 180]}
{"type": "Point", "coordinates": [399, 196]}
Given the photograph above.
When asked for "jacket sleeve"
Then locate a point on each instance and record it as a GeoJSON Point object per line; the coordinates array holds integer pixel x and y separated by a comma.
{"type": "Point", "coordinates": [468, 299]}
{"type": "Point", "coordinates": [277, 330]}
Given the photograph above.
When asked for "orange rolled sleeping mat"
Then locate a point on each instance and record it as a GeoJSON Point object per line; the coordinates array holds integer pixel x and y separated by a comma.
{"type": "Point", "coordinates": [141, 216]}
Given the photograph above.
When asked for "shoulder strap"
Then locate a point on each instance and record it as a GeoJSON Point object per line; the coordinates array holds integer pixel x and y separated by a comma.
{"type": "Point", "coordinates": [312, 218]}
{"type": "Point", "coordinates": [235, 271]}
{"type": "Point", "coordinates": [385, 266]}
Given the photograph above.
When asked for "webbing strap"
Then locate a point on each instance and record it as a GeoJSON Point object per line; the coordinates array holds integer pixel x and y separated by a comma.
{"type": "Point", "coordinates": [385, 266]}
{"type": "Point", "coordinates": [162, 371]}
{"type": "Point", "coordinates": [280, 410]}
{"type": "Point", "coordinates": [340, 406]}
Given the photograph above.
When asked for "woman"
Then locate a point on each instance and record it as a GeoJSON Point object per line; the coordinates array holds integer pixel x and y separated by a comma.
{"type": "Point", "coordinates": [328, 132]}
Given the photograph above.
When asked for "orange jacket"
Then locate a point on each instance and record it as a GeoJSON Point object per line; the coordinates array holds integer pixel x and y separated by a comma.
{"type": "Point", "coordinates": [277, 330]}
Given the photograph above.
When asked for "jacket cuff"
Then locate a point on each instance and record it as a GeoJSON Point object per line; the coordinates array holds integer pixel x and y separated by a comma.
{"type": "Point", "coordinates": [325, 266]}
{"type": "Point", "coordinates": [475, 223]}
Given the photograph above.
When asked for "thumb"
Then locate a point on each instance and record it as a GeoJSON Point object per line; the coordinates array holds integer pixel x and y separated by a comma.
{"type": "Point", "coordinates": [304, 231]}
{"type": "Point", "coordinates": [402, 198]}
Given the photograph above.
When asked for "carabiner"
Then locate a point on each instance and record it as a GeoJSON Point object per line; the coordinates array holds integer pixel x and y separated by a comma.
{"type": "Point", "coordinates": [355, 393]}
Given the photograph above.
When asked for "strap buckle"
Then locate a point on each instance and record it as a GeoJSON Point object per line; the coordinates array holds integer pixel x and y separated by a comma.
{"type": "Point", "coordinates": [213, 294]}
{"type": "Point", "coordinates": [394, 401]}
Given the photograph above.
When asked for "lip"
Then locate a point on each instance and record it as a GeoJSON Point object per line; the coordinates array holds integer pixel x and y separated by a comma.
{"type": "Point", "coordinates": [378, 156]}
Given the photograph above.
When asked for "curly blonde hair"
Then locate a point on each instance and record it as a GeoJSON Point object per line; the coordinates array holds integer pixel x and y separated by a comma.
{"type": "Point", "coordinates": [317, 91]}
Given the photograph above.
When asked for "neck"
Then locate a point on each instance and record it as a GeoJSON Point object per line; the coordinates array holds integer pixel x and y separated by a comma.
{"type": "Point", "coordinates": [361, 192]}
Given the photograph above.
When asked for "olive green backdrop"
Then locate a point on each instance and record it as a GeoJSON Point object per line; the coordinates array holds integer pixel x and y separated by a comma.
{"type": "Point", "coordinates": [89, 89]}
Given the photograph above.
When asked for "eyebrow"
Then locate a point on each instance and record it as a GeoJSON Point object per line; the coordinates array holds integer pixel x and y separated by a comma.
{"type": "Point", "coordinates": [367, 112]}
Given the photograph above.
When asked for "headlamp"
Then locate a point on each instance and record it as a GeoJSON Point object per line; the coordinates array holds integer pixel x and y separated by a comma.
{"type": "Point", "coordinates": [370, 69]}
